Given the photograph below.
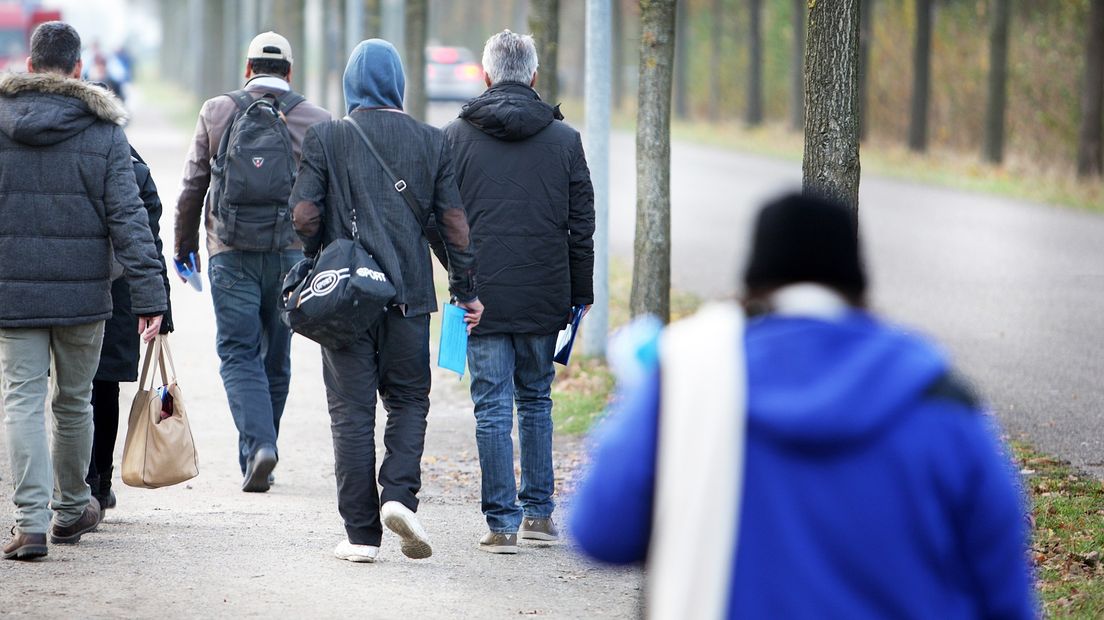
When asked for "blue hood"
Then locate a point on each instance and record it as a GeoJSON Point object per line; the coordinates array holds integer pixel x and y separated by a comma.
{"type": "Point", "coordinates": [812, 382]}
{"type": "Point", "coordinates": [374, 77]}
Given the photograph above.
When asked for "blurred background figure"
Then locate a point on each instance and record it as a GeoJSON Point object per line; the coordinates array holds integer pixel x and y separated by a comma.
{"type": "Point", "coordinates": [813, 461]}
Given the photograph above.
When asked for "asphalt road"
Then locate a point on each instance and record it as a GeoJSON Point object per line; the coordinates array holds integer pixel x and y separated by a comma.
{"type": "Point", "coordinates": [1015, 291]}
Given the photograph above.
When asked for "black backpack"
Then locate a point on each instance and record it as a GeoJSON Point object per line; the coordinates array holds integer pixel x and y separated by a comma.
{"type": "Point", "coordinates": [252, 174]}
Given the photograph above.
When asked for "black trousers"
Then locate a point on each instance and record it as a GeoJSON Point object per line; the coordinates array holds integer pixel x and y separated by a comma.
{"type": "Point", "coordinates": [393, 359]}
{"type": "Point", "coordinates": [105, 423]}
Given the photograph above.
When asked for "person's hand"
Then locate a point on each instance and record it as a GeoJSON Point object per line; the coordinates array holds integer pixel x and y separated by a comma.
{"type": "Point", "coordinates": [149, 327]}
{"type": "Point", "coordinates": [186, 260]}
{"type": "Point", "coordinates": [473, 312]}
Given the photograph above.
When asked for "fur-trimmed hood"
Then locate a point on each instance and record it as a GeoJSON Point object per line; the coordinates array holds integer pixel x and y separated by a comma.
{"type": "Point", "coordinates": [47, 108]}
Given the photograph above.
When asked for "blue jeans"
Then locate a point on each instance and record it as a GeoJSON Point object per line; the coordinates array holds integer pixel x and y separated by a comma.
{"type": "Point", "coordinates": [509, 368]}
{"type": "Point", "coordinates": [253, 343]}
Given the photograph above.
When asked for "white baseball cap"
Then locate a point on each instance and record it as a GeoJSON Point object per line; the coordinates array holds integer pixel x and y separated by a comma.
{"type": "Point", "coordinates": [270, 45]}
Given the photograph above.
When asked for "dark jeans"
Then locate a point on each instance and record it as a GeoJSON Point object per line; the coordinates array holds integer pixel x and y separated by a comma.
{"type": "Point", "coordinates": [393, 358]}
{"type": "Point", "coordinates": [253, 343]}
{"type": "Point", "coordinates": [506, 368]}
{"type": "Point", "coordinates": [105, 427]}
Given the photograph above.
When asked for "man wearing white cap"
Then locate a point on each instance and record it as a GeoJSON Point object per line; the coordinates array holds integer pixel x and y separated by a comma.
{"type": "Point", "coordinates": [250, 242]}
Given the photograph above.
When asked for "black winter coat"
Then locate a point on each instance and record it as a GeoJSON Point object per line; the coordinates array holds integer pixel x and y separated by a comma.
{"type": "Point", "coordinates": [524, 181]}
{"type": "Point", "coordinates": [69, 206]}
{"type": "Point", "coordinates": [121, 348]}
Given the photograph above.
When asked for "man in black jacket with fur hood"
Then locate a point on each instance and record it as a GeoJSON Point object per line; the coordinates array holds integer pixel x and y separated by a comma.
{"type": "Point", "coordinates": [69, 207]}
{"type": "Point", "coordinates": [526, 187]}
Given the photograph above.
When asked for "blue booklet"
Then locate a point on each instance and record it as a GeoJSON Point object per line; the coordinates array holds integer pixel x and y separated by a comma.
{"type": "Point", "coordinates": [566, 338]}
{"type": "Point", "coordinates": [453, 351]}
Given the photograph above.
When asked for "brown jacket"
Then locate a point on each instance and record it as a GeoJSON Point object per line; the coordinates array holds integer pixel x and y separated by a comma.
{"type": "Point", "coordinates": [214, 118]}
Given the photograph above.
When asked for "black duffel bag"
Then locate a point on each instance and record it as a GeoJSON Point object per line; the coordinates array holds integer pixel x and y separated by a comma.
{"type": "Point", "coordinates": [334, 298]}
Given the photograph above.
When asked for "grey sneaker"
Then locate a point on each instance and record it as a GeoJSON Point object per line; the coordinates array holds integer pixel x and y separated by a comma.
{"type": "Point", "coordinates": [498, 542]}
{"type": "Point", "coordinates": [537, 528]}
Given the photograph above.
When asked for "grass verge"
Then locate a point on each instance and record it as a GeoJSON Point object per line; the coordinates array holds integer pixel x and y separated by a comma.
{"type": "Point", "coordinates": [1019, 177]}
{"type": "Point", "coordinates": [1068, 539]}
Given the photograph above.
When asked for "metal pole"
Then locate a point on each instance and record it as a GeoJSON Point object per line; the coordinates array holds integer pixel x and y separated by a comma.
{"type": "Point", "coordinates": [393, 16]}
{"type": "Point", "coordinates": [314, 42]}
{"type": "Point", "coordinates": [598, 55]}
{"type": "Point", "coordinates": [354, 24]}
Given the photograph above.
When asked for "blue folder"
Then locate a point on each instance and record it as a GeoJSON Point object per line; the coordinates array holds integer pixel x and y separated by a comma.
{"type": "Point", "coordinates": [453, 351]}
{"type": "Point", "coordinates": [566, 338]}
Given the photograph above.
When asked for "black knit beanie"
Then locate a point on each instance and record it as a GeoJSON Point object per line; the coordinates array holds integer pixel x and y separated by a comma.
{"type": "Point", "coordinates": [805, 239]}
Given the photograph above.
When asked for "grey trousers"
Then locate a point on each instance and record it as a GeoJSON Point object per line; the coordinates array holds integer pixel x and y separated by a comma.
{"type": "Point", "coordinates": [25, 372]}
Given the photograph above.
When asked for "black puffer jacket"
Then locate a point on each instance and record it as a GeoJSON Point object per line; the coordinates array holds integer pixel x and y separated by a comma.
{"type": "Point", "coordinates": [120, 351]}
{"type": "Point", "coordinates": [69, 206]}
{"type": "Point", "coordinates": [525, 184]}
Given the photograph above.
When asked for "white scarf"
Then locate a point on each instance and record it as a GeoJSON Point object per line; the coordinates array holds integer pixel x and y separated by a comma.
{"type": "Point", "coordinates": [699, 473]}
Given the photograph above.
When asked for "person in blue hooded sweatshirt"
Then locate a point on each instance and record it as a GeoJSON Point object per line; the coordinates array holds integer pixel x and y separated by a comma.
{"type": "Point", "coordinates": [809, 462]}
{"type": "Point", "coordinates": [392, 357]}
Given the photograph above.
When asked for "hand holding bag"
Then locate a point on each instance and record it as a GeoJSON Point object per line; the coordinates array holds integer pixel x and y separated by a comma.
{"type": "Point", "coordinates": [159, 450]}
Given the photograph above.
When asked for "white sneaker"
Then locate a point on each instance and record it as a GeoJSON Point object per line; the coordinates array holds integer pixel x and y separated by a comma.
{"type": "Point", "coordinates": [399, 519]}
{"type": "Point", "coordinates": [346, 550]}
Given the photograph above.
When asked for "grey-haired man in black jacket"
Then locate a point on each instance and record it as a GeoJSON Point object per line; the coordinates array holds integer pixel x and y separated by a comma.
{"type": "Point", "coordinates": [526, 187]}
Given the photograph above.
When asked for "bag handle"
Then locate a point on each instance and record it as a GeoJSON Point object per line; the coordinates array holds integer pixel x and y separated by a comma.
{"type": "Point", "coordinates": [153, 349]}
{"type": "Point", "coordinates": [166, 355]}
{"type": "Point", "coordinates": [398, 183]}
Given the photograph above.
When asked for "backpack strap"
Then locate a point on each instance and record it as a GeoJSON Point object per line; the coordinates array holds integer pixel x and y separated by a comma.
{"type": "Point", "coordinates": [289, 100]}
{"type": "Point", "coordinates": [241, 98]}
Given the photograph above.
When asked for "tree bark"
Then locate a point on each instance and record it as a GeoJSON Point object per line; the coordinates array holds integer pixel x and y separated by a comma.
{"type": "Point", "coordinates": [998, 80]}
{"type": "Point", "coordinates": [544, 23]}
{"type": "Point", "coordinates": [682, 59]}
{"type": "Point", "coordinates": [921, 78]}
{"type": "Point", "coordinates": [797, 66]}
{"type": "Point", "coordinates": [417, 30]}
{"type": "Point", "coordinates": [651, 288]}
{"type": "Point", "coordinates": [1090, 153]}
{"type": "Point", "coordinates": [755, 64]}
{"type": "Point", "coordinates": [830, 168]}
{"type": "Point", "coordinates": [716, 58]}
{"type": "Point", "coordinates": [866, 41]}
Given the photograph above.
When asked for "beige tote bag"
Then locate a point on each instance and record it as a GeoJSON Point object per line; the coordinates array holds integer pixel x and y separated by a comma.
{"type": "Point", "coordinates": [159, 450]}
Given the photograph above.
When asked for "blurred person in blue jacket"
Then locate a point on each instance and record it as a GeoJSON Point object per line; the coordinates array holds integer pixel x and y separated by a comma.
{"type": "Point", "coordinates": [811, 462]}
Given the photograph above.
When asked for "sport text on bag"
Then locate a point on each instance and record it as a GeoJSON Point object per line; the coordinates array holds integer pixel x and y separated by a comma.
{"type": "Point", "coordinates": [252, 174]}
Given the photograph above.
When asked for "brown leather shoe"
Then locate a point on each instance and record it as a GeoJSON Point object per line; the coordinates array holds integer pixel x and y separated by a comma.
{"type": "Point", "coordinates": [24, 546]}
{"type": "Point", "coordinates": [70, 534]}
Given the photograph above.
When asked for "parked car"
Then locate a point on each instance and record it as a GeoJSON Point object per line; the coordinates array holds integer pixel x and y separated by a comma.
{"type": "Point", "coordinates": [452, 74]}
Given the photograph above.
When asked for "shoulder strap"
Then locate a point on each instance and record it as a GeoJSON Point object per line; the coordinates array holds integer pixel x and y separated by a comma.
{"type": "Point", "coordinates": [289, 100]}
{"type": "Point", "coordinates": [241, 98]}
{"type": "Point", "coordinates": [399, 184]}
{"type": "Point", "coordinates": [955, 388]}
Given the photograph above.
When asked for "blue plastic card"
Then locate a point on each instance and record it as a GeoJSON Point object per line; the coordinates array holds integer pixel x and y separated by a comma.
{"type": "Point", "coordinates": [453, 352]}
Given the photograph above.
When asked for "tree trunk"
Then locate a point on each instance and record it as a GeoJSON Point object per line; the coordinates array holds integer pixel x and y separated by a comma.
{"type": "Point", "coordinates": [755, 63]}
{"type": "Point", "coordinates": [682, 59]}
{"type": "Point", "coordinates": [544, 23]}
{"type": "Point", "coordinates": [797, 66]}
{"type": "Point", "coordinates": [921, 78]}
{"type": "Point", "coordinates": [716, 58]}
{"type": "Point", "coordinates": [651, 288]}
{"type": "Point", "coordinates": [831, 165]}
{"type": "Point", "coordinates": [417, 23]}
{"type": "Point", "coordinates": [998, 80]}
{"type": "Point", "coordinates": [866, 39]}
{"type": "Point", "coordinates": [1090, 153]}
